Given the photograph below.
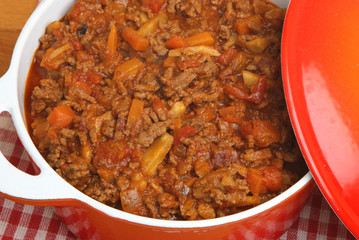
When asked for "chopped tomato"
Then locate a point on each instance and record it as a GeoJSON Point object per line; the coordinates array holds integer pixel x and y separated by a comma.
{"type": "Point", "coordinates": [189, 64]}
{"type": "Point", "coordinates": [264, 179]}
{"type": "Point", "coordinates": [236, 92]}
{"type": "Point", "coordinates": [272, 178]}
{"type": "Point", "coordinates": [255, 181]}
{"type": "Point", "coordinates": [76, 45]}
{"type": "Point", "coordinates": [61, 117]}
{"type": "Point", "coordinates": [183, 132]}
{"type": "Point", "coordinates": [111, 153]}
{"type": "Point", "coordinates": [265, 133]}
{"type": "Point", "coordinates": [90, 77]}
{"type": "Point", "coordinates": [79, 13]}
{"type": "Point", "coordinates": [154, 5]}
{"type": "Point", "coordinates": [80, 85]}
{"type": "Point", "coordinates": [93, 77]}
{"type": "Point", "coordinates": [256, 95]}
{"type": "Point", "coordinates": [232, 114]}
{"type": "Point", "coordinates": [227, 56]}
{"type": "Point", "coordinates": [207, 114]}
{"type": "Point", "coordinates": [58, 34]}
{"type": "Point", "coordinates": [258, 91]}
{"type": "Point", "coordinates": [158, 105]}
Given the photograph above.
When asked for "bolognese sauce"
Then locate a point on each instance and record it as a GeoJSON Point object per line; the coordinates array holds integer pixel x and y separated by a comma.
{"type": "Point", "coordinates": [170, 109]}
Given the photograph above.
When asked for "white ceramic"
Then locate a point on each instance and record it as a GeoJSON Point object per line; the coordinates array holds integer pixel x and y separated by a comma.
{"type": "Point", "coordinates": [48, 188]}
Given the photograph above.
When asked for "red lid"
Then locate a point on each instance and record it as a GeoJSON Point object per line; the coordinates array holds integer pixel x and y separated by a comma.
{"type": "Point", "coordinates": [320, 61]}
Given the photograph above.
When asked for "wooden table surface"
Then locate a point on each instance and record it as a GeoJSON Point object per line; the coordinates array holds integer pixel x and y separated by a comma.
{"type": "Point", "coordinates": [13, 15]}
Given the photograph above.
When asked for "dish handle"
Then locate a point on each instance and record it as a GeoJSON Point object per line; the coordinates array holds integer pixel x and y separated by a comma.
{"type": "Point", "coordinates": [6, 95]}
{"type": "Point", "coordinates": [45, 189]}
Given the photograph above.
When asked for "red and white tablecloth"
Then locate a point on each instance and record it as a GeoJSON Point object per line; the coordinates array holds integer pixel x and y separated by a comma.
{"type": "Point", "coordinates": [18, 221]}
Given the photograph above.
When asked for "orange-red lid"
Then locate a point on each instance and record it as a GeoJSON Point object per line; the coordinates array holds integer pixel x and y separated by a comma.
{"type": "Point", "coordinates": [320, 61]}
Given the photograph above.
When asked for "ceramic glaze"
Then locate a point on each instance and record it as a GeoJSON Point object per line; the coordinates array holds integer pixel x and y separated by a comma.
{"type": "Point", "coordinates": [320, 72]}
{"type": "Point", "coordinates": [89, 219]}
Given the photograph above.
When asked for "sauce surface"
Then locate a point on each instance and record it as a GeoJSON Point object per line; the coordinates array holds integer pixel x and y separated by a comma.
{"type": "Point", "coordinates": [165, 108]}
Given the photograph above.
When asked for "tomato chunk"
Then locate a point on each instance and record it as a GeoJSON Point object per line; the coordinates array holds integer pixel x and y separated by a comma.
{"type": "Point", "coordinates": [272, 178]}
{"type": "Point", "coordinates": [258, 91]}
{"type": "Point", "coordinates": [232, 114]}
{"type": "Point", "coordinates": [111, 153]}
{"type": "Point", "coordinates": [154, 5]}
{"type": "Point", "coordinates": [189, 64]}
{"type": "Point", "coordinates": [183, 133]}
{"type": "Point", "coordinates": [265, 133]}
{"type": "Point", "coordinates": [263, 179]}
{"type": "Point", "coordinates": [227, 56]}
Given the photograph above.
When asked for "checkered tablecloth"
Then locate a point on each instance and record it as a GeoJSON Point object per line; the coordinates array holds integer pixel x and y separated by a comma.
{"type": "Point", "coordinates": [18, 221]}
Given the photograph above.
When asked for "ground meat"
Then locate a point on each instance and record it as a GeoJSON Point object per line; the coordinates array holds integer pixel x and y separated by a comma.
{"type": "Point", "coordinates": [178, 82]}
{"type": "Point", "coordinates": [190, 7]}
{"type": "Point", "coordinates": [214, 188]}
{"type": "Point", "coordinates": [49, 91]}
{"type": "Point", "coordinates": [173, 110]}
{"type": "Point", "coordinates": [154, 131]}
{"type": "Point", "coordinates": [206, 69]}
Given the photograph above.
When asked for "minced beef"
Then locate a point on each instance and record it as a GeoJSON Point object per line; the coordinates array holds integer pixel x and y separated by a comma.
{"type": "Point", "coordinates": [169, 109]}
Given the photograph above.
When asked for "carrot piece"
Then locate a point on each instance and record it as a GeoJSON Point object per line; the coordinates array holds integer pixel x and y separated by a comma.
{"type": "Point", "coordinates": [204, 38]}
{"type": "Point", "coordinates": [241, 27]}
{"type": "Point", "coordinates": [136, 40]}
{"type": "Point", "coordinates": [134, 119]}
{"type": "Point", "coordinates": [128, 69]}
{"type": "Point", "coordinates": [61, 117]}
{"type": "Point", "coordinates": [183, 132]}
{"type": "Point", "coordinates": [176, 42]}
{"type": "Point", "coordinates": [112, 41]}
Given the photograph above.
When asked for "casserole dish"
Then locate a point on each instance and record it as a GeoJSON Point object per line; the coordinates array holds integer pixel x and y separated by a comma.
{"type": "Point", "coordinates": [88, 218]}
